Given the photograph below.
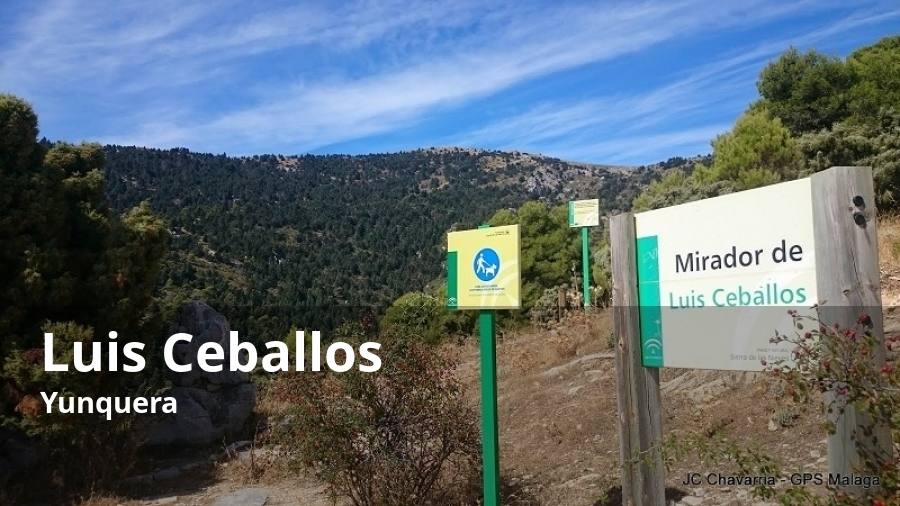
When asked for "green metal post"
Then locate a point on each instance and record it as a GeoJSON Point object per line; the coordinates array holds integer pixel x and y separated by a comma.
{"type": "Point", "coordinates": [490, 443]}
{"type": "Point", "coordinates": [585, 268]}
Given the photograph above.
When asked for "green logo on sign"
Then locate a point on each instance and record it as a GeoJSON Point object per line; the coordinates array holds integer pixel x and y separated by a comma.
{"type": "Point", "coordinates": [649, 300]}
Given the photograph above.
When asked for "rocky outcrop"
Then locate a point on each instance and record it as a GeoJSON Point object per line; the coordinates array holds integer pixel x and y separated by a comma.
{"type": "Point", "coordinates": [211, 405]}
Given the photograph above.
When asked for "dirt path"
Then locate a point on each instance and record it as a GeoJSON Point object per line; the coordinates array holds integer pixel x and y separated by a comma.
{"type": "Point", "coordinates": [228, 493]}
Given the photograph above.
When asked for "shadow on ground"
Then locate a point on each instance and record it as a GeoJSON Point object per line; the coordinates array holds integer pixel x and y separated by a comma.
{"type": "Point", "coordinates": [613, 496]}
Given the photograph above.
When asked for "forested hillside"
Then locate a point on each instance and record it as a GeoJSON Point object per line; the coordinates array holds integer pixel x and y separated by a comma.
{"type": "Point", "coordinates": [278, 240]}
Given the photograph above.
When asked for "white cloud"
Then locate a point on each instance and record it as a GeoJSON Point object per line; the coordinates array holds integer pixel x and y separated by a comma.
{"type": "Point", "coordinates": [378, 65]}
{"type": "Point", "coordinates": [123, 42]}
{"type": "Point", "coordinates": [527, 45]}
{"type": "Point", "coordinates": [569, 128]}
{"type": "Point", "coordinates": [624, 149]}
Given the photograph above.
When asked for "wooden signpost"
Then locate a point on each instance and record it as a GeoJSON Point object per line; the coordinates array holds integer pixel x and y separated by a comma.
{"type": "Point", "coordinates": [849, 283]}
{"type": "Point", "coordinates": [806, 241]}
{"type": "Point", "coordinates": [637, 387]}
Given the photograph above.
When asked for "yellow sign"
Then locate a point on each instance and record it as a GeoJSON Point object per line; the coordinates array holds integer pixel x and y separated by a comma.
{"type": "Point", "coordinates": [483, 270]}
{"type": "Point", "coordinates": [584, 213]}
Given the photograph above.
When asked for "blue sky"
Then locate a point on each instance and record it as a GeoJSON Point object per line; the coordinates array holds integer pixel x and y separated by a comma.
{"type": "Point", "coordinates": [611, 82]}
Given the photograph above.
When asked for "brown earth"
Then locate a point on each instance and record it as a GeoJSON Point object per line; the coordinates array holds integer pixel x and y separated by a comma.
{"type": "Point", "coordinates": [557, 409]}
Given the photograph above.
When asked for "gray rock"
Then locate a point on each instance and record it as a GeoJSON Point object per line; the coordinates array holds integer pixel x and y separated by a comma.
{"type": "Point", "coordinates": [583, 481]}
{"type": "Point", "coordinates": [237, 446]}
{"type": "Point", "coordinates": [211, 406]}
{"type": "Point", "coordinates": [191, 425]}
{"type": "Point", "coordinates": [169, 473]}
{"type": "Point", "coordinates": [206, 325]}
{"type": "Point", "coordinates": [238, 405]}
{"type": "Point", "coordinates": [244, 497]}
{"type": "Point", "coordinates": [203, 417]}
{"type": "Point", "coordinates": [165, 500]}
{"type": "Point", "coordinates": [574, 390]}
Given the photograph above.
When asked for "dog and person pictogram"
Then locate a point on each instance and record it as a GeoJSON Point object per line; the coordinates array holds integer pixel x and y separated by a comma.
{"type": "Point", "coordinates": [487, 264]}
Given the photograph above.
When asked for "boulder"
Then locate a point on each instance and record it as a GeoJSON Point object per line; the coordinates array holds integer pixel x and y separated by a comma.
{"type": "Point", "coordinates": [207, 326]}
{"type": "Point", "coordinates": [244, 497]}
{"type": "Point", "coordinates": [211, 406]}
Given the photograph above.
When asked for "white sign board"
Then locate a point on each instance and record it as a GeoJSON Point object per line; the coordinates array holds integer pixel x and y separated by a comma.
{"type": "Point", "coordinates": [584, 213]}
{"type": "Point", "coordinates": [717, 277]}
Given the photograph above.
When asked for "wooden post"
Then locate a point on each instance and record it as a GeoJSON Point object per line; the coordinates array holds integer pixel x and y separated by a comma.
{"type": "Point", "coordinates": [575, 283]}
{"type": "Point", "coordinates": [637, 387]}
{"type": "Point", "coordinates": [560, 303]}
{"type": "Point", "coordinates": [848, 285]}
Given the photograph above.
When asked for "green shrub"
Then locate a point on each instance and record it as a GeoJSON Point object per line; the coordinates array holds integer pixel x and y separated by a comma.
{"type": "Point", "coordinates": [676, 187]}
{"type": "Point", "coordinates": [549, 248]}
{"type": "Point", "coordinates": [847, 364]}
{"type": "Point", "coordinates": [547, 309]}
{"type": "Point", "coordinates": [758, 151]}
{"type": "Point", "coordinates": [807, 91]}
{"type": "Point", "coordinates": [403, 435]}
{"type": "Point", "coordinates": [875, 144]}
{"type": "Point", "coordinates": [877, 70]}
{"type": "Point", "coordinates": [417, 315]}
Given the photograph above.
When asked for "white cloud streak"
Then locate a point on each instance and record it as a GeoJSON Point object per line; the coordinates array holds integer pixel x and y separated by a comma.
{"type": "Point", "coordinates": [569, 129]}
{"type": "Point", "coordinates": [525, 47]}
{"type": "Point", "coordinates": [378, 66]}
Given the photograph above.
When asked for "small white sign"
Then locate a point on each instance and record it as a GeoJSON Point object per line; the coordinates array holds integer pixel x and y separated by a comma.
{"type": "Point", "coordinates": [584, 213]}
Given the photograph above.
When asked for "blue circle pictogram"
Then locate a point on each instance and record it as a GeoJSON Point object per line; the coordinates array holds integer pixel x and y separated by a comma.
{"type": "Point", "coordinates": [486, 264]}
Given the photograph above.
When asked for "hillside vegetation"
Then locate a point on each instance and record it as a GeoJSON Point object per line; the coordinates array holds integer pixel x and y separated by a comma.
{"type": "Point", "coordinates": [815, 111]}
{"type": "Point", "coordinates": [276, 240]}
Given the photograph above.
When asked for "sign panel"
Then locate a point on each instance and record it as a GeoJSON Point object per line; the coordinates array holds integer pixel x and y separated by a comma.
{"type": "Point", "coordinates": [716, 277]}
{"type": "Point", "coordinates": [483, 270]}
{"type": "Point", "coordinates": [584, 213]}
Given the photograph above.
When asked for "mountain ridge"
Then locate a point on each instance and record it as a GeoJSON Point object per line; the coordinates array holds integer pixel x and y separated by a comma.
{"type": "Point", "coordinates": [298, 233]}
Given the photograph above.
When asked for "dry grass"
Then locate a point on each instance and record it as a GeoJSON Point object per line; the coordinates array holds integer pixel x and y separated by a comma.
{"type": "Point", "coordinates": [557, 412]}
{"type": "Point", "coordinates": [889, 242]}
{"type": "Point", "coordinates": [102, 501]}
{"type": "Point", "coordinates": [557, 408]}
{"type": "Point", "coordinates": [889, 259]}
